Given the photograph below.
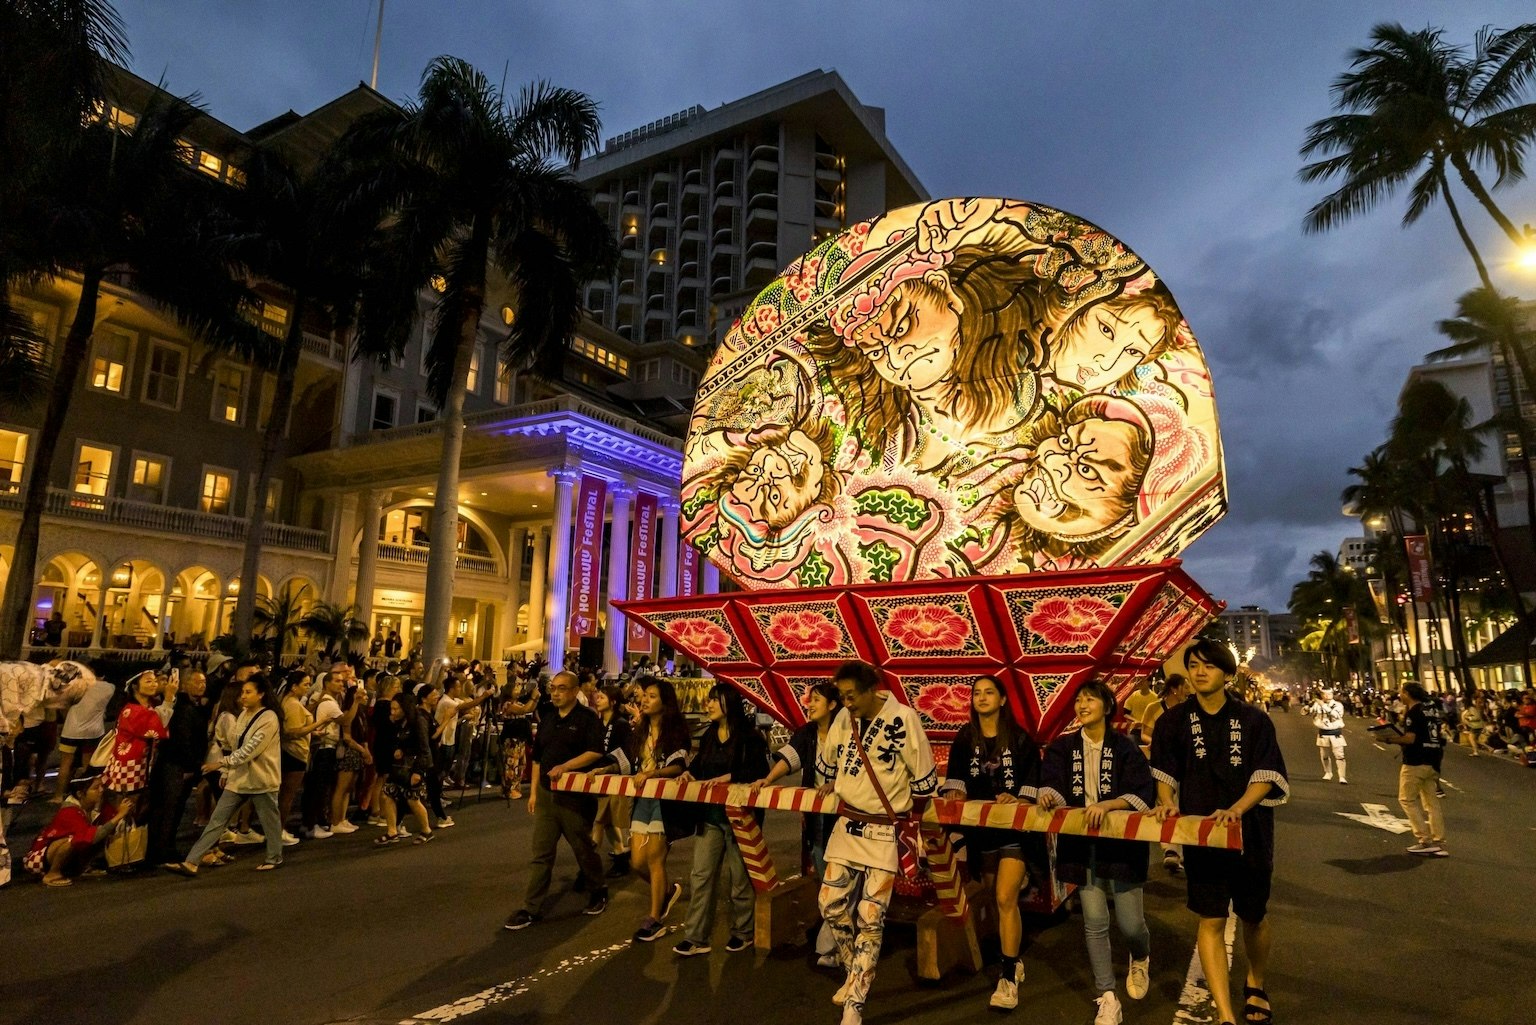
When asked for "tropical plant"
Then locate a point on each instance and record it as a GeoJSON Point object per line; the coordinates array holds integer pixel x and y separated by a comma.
{"type": "Point", "coordinates": [286, 228]}
{"type": "Point", "coordinates": [120, 206]}
{"type": "Point", "coordinates": [333, 626]}
{"type": "Point", "coordinates": [1327, 600]}
{"type": "Point", "coordinates": [461, 181]}
{"type": "Point", "coordinates": [1415, 109]}
{"type": "Point", "coordinates": [277, 619]}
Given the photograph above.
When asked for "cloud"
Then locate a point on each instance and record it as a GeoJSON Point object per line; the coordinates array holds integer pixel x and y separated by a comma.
{"type": "Point", "coordinates": [1271, 562]}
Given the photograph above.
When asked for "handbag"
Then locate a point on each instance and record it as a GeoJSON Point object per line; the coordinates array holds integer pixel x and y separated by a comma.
{"type": "Point", "coordinates": [909, 839]}
{"type": "Point", "coordinates": [128, 847]}
{"type": "Point", "coordinates": [103, 753]}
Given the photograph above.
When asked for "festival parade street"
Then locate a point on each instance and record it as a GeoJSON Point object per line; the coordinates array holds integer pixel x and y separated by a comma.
{"type": "Point", "coordinates": [401, 936]}
{"type": "Point", "coordinates": [788, 512]}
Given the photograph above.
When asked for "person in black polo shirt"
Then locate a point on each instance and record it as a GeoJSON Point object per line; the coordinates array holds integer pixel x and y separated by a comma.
{"type": "Point", "coordinates": [568, 740]}
{"type": "Point", "coordinates": [1423, 746]}
{"type": "Point", "coordinates": [1216, 756]}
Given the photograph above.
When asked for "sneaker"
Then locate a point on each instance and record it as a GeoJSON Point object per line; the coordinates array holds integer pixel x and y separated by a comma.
{"type": "Point", "coordinates": [688, 948]}
{"type": "Point", "coordinates": [321, 833]}
{"type": "Point", "coordinates": [1108, 1012]}
{"type": "Point", "coordinates": [597, 904]}
{"type": "Point", "coordinates": [1343, 781]}
{"type": "Point", "coordinates": [250, 836]}
{"type": "Point", "coordinates": [827, 961]}
{"type": "Point", "coordinates": [1327, 776]}
{"type": "Point", "coordinates": [1427, 849]}
{"type": "Point", "coordinates": [649, 930]}
{"type": "Point", "coordinates": [343, 827]}
{"type": "Point", "coordinates": [736, 944]}
{"type": "Point", "coordinates": [445, 822]}
{"type": "Point", "coordinates": [672, 897]}
{"type": "Point", "coordinates": [520, 920]}
{"type": "Point", "coordinates": [289, 839]}
{"type": "Point", "coordinates": [1006, 996]}
{"type": "Point", "coordinates": [230, 836]}
{"type": "Point", "coordinates": [375, 820]}
{"type": "Point", "coordinates": [1440, 851]}
{"type": "Point", "coordinates": [1137, 982]}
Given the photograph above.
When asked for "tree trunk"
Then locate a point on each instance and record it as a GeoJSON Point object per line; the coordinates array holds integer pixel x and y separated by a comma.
{"type": "Point", "coordinates": [443, 557]}
{"type": "Point", "coordinates": [271, 442]}
{"type": "Point", "coordinates": [16, 610]}
{"type": "Point", "coordinates": [1475, 186]}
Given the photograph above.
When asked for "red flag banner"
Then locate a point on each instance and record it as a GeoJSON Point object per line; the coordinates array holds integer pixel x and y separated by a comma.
{"type": "Point", "coordinates": [687, 570]}
{"type": "Point", "coordinates": [642, 570]}
{"type": "Point", "coordinates": [586, 559]}
{"type": "Point", "coordinates": [1419, 578]}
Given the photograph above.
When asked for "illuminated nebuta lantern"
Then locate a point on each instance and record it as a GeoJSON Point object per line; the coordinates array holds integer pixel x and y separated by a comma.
{"type": "Point", "coordinates": [965, 437]}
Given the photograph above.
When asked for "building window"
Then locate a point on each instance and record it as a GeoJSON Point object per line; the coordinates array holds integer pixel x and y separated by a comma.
{"type": "Point", "coordinates": [210, 165]}
{"type": "Point", "coordinates": [109, 360]}
{"type": "Point", "coordinates": [228, 393]}
{"type": "Point", "coordinates": [473, 385]}
{"type": "Point", "coordinates": [386, 408]}
{"type": "Point", "coordinates": [163, 376]}
{"type": "Point", "coordinates": [13, 460]}
{"type": "Point", "coordinates": [93, 470]}
{"type": "Point", "coordinates": [274, 498]}
{"type": "Point", "coordinates": [274, 318]}
{"type": "Point", "coordinates": [425, 414]}
{"type": "Point", "coordinates": [504, 384]}
{"type": "Point", "coordinates": [218, 490]}
{"type": "Point", "coordinates": [685, 376]}
{"type": "Point", "coordinates": [151, 474]}
{"type": "Point", "coordinates": [597, 354]}
{"type": "Point", "coordinates": [648, 370]}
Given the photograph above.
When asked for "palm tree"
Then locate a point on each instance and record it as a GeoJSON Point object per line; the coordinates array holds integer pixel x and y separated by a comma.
{"type": "Point", "coordinates": [462, 180]}
{"type": "Point", "coordinates": [333, 626]}
{"type": "Point", "coordinates": [1414, 109]}
{"type": "Point", "coordinates": [285, 227]}
{"type": "Point", "coordinates": [278, 619]}
{"type": "Point", "coordinates": [119, 206]}
{"type": "Point", "coordinates": [1488, 322]}
{"type": "Point", "coordinates": [1327, 600]}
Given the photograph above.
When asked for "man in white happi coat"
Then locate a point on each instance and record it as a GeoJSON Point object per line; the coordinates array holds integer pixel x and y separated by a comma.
{"type": "Point", "coordinates": [1328, 716]}
{"type": "Point", "coordinates": [862, 855]}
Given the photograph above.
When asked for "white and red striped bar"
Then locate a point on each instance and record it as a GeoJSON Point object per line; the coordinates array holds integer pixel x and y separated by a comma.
{"type": "Point", "coordinates": [1118, 825]}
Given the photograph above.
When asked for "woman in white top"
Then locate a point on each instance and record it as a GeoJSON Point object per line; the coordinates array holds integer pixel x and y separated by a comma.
{"type": "Point", "coordinates": [253, 773]}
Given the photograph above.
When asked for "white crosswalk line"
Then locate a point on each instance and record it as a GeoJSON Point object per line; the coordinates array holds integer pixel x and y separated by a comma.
{"type": "Point", "coordinates": [505, 991]}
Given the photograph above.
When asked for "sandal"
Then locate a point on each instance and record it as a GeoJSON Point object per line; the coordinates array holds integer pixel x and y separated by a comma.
{"type": "Point", "coordinates": [387, 839]}
{"type": "Point", "coordinates": [181, 868]}
{"type": "Point", "coordinates": [1253, 1014]}
{"type": "Point", "coordinates": [267, 866]}
{"type": "Point", "coordinates": [424, 838]}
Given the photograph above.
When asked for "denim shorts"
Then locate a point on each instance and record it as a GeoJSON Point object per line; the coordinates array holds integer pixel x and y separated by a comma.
{"type": "Point", "coordinates": [646, 816]}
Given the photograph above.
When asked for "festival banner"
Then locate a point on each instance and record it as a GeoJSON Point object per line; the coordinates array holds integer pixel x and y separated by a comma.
{"type": "Point", "coordinates": [586, 560]}
{"type": "Point", "coordinates": [1351, 625]}
{"type": "Point", "coordinates": [1378, 588]}
{"type": "Point", "coordinates": [1421, 583]}
{"type": "Point", "coordinates": [642, 569]}
{"type": "Point", "coordinates": [687, 570]}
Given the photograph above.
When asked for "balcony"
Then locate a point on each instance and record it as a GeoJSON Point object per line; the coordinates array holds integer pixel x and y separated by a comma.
{"type": "Point", "coordinates": [328, 349]}
{"type": "Point", "coordinates": [124, 512]}
{"type": "Point", "coordinates": [417, 555]}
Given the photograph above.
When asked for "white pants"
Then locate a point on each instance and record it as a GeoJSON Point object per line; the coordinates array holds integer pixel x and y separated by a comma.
{"type": "Point", "coordinates": [1331, 751]}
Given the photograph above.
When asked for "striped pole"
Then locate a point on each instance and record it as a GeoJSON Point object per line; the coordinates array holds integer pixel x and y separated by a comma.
{"type": "Point", "coordinates": [754, 849]}
{"type": "Point", "coordinates": [944, 870]}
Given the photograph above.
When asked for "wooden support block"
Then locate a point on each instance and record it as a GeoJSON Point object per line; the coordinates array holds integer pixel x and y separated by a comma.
{"type": "Point", "coordinates": [786, 913]}
{"type": "Point", "coordinates": [944, 943]}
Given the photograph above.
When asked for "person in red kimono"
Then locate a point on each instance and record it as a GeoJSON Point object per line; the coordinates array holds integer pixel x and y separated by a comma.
{"type": "Point", "coordinates": [138, 726]}
{"type": "Point", "coordinates": [73, 837]}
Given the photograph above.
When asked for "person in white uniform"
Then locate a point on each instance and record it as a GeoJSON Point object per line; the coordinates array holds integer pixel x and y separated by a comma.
{"type": "Point", "coordinates": [1328, 716]}
{"type": "Point", "coordinates": [879, 761]}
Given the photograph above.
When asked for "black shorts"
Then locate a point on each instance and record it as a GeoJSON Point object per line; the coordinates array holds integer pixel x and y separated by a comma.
{"type": "Point", "coordinates": [292, 764]}
{"type": "Point", "coordinates": [86, 745]}
{"type": "Point", "coordinates": [1217, 878]}
{"type": "Point", "coordinates": [981, 842]}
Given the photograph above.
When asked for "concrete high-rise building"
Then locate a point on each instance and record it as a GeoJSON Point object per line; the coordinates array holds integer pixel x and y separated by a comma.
{"type": "Point", "coordinates": [709, 205]}
{"type": "Point", "coordinates": [1248, 630]}
{"type": "Point", "coordinates": [1356, 553]}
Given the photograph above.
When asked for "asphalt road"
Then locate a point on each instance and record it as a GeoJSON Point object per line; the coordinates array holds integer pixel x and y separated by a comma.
{"type": "Point", "coordinates": [347, 933]}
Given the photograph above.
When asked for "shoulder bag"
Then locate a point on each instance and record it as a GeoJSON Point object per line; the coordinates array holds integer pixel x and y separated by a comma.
{"type": "Point", "coordinates": [909, 839]}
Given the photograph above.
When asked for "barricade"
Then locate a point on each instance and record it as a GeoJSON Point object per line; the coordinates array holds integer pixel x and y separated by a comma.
{"type": "Point", "coordinates": [946, 936]}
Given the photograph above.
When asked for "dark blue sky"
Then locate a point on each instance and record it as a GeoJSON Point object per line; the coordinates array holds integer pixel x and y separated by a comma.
{"type": "Point", "coordinates": [1173, 126]}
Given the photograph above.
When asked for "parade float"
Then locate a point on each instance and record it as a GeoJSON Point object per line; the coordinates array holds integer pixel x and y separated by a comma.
{"type": "Point", "coordinates": [966, 437]}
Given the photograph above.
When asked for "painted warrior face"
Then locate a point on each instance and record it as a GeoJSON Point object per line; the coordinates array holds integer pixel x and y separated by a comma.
{"type": "Point", "coordinates": [912, 341]}
{"type": "Point", "coordinates": [781, 481]}
{"type": "Point", "coordinates": [1082, 481]}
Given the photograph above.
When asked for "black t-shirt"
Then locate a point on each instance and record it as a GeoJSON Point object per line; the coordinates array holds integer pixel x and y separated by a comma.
{"type": "Point", "coordinates": [1423, 721]}
{"type": "Point", "coordinates": [562, 737]}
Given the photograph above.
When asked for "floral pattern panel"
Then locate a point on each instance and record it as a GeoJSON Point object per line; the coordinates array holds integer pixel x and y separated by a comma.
{"type": "Point", "coordinates": [812, 629]}
{"type": "Point", "coordinates": [1063, 620]}
{"type": "Point", "coordinates": [926, 626]}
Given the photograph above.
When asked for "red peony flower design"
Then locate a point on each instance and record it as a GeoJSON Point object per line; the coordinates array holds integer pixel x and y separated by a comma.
{"type": "Point", "coordinates": [945, 703]}
{"type": "Point", "coordinates": [804, 632]}
{"type": "Point", "coordinates": [700, 638]}
{"type": "Point", "coordinates": [1066, 622]}
{"type": "Point", "coordinates": [765, 320]}
{"type": "Point", "coordinates": [927, 627]}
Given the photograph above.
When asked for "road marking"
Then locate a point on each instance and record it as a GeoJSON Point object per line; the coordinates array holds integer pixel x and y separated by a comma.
{"type": "Point", "coordinates": [505, 991]}
{"type": "Point", "coordinates": [1453, 786]}
{"type": "Point", "coordinates": [1196, 1006]}
{"type": "Point", "coordinates": [1378, 816]}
